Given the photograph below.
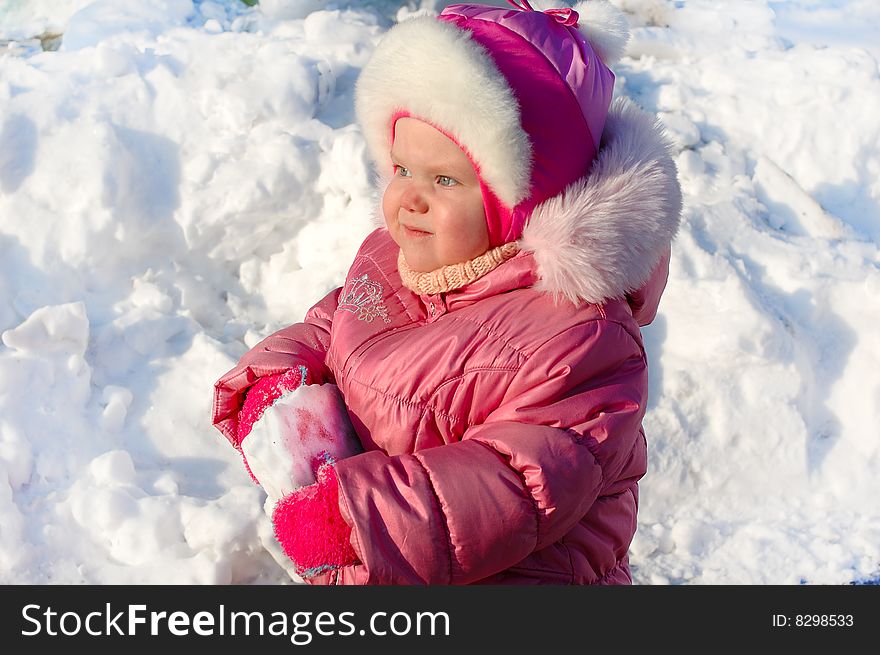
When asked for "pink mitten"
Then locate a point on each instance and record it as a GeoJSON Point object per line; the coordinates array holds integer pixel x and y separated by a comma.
{"type": "Point", "coordinates": [265, 392]}
{"type": "Point", "coordinates": [310, 527]}
{"type": "Point", "coordinates": [295, 434]}
{"type": "Point", "coordinates": [260, 397]}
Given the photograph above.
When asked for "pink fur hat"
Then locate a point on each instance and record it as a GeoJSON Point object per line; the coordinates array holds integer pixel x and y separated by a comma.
{"type": "Point", "coordinates": [524, 93]}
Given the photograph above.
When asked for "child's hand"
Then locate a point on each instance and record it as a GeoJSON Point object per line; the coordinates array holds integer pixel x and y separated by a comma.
{"type": "Point", "coordinates": [292, 436]}
{"type": "Point", "coordinates": [263, 394]}
{"type": "Point", "coordinates": [310, 527]}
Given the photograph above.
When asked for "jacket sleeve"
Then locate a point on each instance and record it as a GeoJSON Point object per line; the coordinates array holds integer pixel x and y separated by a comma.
{"type": "Point", "coordinates": [300, 344]}
{"type": "Point", "coordinates": [514, 484]}
{"type": "Point", "coordinates": [644, 301]}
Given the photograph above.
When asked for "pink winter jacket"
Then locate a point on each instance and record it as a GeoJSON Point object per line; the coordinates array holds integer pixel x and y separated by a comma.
{"type": "Point", "coordinates": [501, 421]}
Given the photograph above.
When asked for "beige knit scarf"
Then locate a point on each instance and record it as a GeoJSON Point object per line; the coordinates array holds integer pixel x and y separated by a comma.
{"type": "Point", "coordinates": [454, 276]}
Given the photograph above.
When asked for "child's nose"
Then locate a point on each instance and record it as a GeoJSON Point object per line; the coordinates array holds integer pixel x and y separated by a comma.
{"type": "Point", "coordinates": [413, 200]}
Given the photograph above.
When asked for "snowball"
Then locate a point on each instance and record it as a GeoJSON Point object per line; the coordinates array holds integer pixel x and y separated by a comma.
{"type": "Point", "coordinates": [296, 434]}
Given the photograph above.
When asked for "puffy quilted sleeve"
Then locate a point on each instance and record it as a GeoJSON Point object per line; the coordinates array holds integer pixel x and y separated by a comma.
{"type": "Point", "coordinates": [300, 344]}
{"type": "Point", "coordinates": [514, 484]}
{"type": "Point", "coordinates": [644, 301]}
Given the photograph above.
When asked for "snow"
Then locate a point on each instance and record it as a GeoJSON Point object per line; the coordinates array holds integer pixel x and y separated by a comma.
{"type": "Point", "coordinates": [302, 429]}
{"type": "Point", "coordinates": [179, 178]}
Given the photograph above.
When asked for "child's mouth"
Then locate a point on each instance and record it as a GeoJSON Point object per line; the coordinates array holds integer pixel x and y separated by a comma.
{"type": "Point", "coordinates": [413, 232]}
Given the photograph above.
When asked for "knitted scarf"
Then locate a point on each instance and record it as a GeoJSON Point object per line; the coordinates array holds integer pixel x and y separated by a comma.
{"type": "Point", "coordinates": [454, 276]}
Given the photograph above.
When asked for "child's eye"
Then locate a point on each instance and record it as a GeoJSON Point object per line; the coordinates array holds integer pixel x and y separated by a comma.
{"type": "Point", "coordinates": [444, 180]}
{"type": "Point", "coordinates": [400, 170]}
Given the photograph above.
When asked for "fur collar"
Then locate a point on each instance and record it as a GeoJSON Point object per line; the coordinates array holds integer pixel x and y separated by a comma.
{"type": "Point", "coordinates": [603, 236]}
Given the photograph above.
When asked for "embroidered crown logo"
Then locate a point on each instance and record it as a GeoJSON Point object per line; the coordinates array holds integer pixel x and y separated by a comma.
{"type": "Point", "coordinates": [363, 298]}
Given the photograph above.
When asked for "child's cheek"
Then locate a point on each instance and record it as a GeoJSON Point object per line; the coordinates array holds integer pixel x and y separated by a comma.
{"type": "Point", "coordinates": [390, 209]}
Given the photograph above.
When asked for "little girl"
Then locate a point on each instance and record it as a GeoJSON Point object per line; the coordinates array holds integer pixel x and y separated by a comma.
{"type": "Point", "coordinates": [486, 341]}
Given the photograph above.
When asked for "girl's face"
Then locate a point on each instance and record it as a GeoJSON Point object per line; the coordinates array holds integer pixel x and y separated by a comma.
{"type": "Point", "coordinates": [433, 206]}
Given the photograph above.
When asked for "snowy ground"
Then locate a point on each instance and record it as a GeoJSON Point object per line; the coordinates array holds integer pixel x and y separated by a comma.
{"type": "Point", "coordinates": [179, 178]}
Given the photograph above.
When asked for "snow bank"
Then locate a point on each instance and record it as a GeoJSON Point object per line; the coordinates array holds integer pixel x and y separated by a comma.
{"type": "Point", "coordinates": [172, 187]}
{"type": "Point", "coordinates": [763, 425]}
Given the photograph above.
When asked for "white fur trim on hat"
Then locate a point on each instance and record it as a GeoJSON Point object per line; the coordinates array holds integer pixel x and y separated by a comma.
{"type": "Point", "coordinates": [437, 72]}
{"type": "Point", "coordinates": [602, 237]}
{"type": "Point", "coordinates": [605, 27]}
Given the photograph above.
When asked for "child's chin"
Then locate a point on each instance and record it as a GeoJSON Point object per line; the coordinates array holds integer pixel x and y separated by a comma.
{"type": "Point", "coordinates": [418, 262]}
